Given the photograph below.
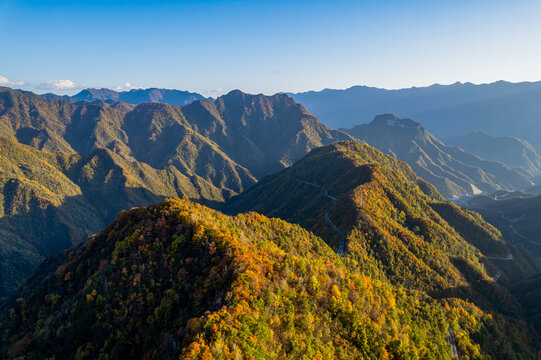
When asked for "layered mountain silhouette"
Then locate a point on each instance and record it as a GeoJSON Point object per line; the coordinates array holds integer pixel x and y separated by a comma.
{"type": "Point", "coordinates": [514, 152]}
{"type": "Point", "coordinates": [453, 171]}
{"type": "Point", "coordinates": [134, 96]}
{"type": "Point", "coordinates": [178, 280]}
{"type": "Point", "coordinates": [372, 262]}
{"type": "Point", "coordinates": [503, 108]}
{"type": "Point", "coordinates": [69, 168]}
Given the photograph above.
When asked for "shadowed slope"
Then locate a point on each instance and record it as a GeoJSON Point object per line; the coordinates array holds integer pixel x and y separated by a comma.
{"type": "Point", "coordinates": [49, 202]}
{"type": "Point", "coordinates": [115, 156]}
{"type": "Point", "coordinates": [514, 152]}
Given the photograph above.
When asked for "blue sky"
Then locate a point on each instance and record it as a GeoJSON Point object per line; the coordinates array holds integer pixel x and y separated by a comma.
{"type": "Point", "coordinates": [265, 46]}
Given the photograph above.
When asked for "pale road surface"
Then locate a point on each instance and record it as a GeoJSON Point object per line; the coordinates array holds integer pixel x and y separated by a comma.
{"type": "Point", "coordinates": [452, 341]}
{"type": "Point", "coordinates": [340, 233]}
{"type": "Point", "coordinates": [327, 218]}
{"type": "Point", "coordinates": [319, 187]}
{"type": "Point", "coordinates": [509, 257]}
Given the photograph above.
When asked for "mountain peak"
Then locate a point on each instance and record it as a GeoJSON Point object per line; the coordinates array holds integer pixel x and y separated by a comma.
{"type": "Point", "coordinates": [235, 92]}
{"type": "Point", "coordinates": [393, 120]}
{"type": "Point", "coordinates": [441, 165]}
{"type": "Point", "coordinates": [241, 94]}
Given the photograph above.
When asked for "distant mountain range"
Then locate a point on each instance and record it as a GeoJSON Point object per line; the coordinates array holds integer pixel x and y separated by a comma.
{"type": "Point", "coordinates": [514, 152]}
{"type": "Point", "coordinates": [67, 169]}
{"type": "Point", "coordinates": [134, 96]}
{"type": "Point", "coordinates": [503, 108]}
{"type": "Point", "coordinates": [70, 161]}
{"type": "Point", "coordinates": [448, 111]}
{"type": "Point", "coordinates": [454, 172]}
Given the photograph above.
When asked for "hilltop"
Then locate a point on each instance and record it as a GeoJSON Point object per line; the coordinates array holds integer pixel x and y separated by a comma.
{"type": "Point", "coordinates": [391, 224]}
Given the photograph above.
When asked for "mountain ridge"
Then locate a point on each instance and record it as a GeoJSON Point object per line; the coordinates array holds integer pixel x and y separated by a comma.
{"type": "Point", "coordinates": [453, 171]}
{"type": "Point", "coordinates": [381, 206]}
{"type": "Point", "coordinates": [112, 156]}
{"type": "Point", "coordinates": [512, 151]}
{"type": "Point", "coordinates": [445, 110]}
{"type": "Point", "coordinates": [138, 96]}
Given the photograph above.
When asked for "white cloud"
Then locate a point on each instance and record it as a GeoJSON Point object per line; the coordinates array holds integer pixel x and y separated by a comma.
{"type": "Point", "coordinates": [126, 86]}
{"type": "Point", "coordinates": [6, 82]}
{"type": "Point", "coordinates": [278, 72]}
{"type": "Point", "coordinates": [57, 85]}
{"type": "Point", "coordinates": [213, 93]}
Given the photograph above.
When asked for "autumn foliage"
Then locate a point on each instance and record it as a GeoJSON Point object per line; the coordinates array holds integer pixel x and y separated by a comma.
{"type": "Point", "coordinates": [178, 280]}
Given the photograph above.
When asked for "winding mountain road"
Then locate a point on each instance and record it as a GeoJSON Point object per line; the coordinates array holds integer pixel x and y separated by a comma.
{"type": "Point", "coordinates": [512, 226]}
{"type": "Point", "coordinates": [522, 236]}
{"type": "Point", "coordinates": [498, 275]}
{"type": "Point", "coordinates": [452, 341]}
{"type": "Point", "coordinates": [509, 257]}
{"type": "Point", "coordinates": [319, 187]}
{"type": "Point", "coordinates": [342, 244]}
{"type": "Point", "coordinates": [340, 233]}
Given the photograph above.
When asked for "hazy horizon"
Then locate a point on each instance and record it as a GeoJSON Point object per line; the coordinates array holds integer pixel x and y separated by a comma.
{"type": "Point", "coordinates": [213, 46]}
{"type": "Point", "coordinates": [71, 92]}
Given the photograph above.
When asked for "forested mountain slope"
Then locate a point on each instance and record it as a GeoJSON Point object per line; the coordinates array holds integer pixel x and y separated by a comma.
{"type": "Point", "coordinates": [68, 169]}
{"type": "Point", "coordinates": [179, 280]}
{"type": "Point", "coordinates": [49, 202]}
{"type": "Point", "coordinates": [391, 224]}
{"type": "Point", "coordinates": [259, 133]}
